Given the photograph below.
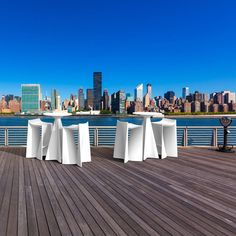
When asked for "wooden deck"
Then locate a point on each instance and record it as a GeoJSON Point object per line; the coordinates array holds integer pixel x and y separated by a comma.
{"type": "Point", "coordinates": [194, 194]}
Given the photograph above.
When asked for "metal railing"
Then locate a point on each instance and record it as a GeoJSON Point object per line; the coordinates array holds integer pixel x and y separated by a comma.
{"type": "Point", "coordinates": [105, 135]}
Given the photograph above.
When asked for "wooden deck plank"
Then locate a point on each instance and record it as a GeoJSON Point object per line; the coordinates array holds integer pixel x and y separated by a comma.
{"type": "Point", "coordinates": [5, 206]}
{"type": "Point", "coordinates": [49, 214]}
{"type": "Point", "coordinates": [39, 211]}
{"type": "Point", "coordinates": [158, 206]}
{"type": "Point", "coordinates": [190, 195]}
{"type": "Point", "coordinates": [22, 215]}
{"type": "Point", "coordinates": [156, 193]}
{"type": "Point", "coordinates": [12, 218]}
{"type": "Point", "coordinates": [71, 221]}
{"type": "Point", "coordinates": [58, 212]}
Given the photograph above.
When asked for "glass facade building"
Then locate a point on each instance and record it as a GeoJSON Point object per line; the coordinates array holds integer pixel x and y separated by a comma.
{"type": "Point", "coordinates": [138, 93]}
{"type": "Point", "coordinates": [55, 101]}
{"type": "Point", "coordinates": [185, 92]}
{"type": "Point", "coordinates": [31, 94]}
{"type": "Point", "coordinates": [97, 90]}
{"type": "Point", "coordinates": [81, 99]}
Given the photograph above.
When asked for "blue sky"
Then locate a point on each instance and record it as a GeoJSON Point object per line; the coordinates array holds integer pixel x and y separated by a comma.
{"type": "Point", "coordinates": [170, 44]}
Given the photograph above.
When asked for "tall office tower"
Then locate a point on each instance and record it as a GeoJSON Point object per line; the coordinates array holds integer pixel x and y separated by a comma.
{"type": "Point", "coordinates": [97, 90]}
{"type": "Point", "coordinates": [113, 103]}
{"type": "Point", "coordinates": [147, 97]}
{"type": "Point", "coordinates": [138, 93]}
{"type": "Point", "coordinates": [30, 99]}
{"type": "Point", "coordinates": [218, 98]}
{"type": "Point", "coordinates": [55, 100]}
{"type": "Point", "coordinates": [105, 100]}
{"type": "Point", "coordinates": [81, 99]}
{"type": "Point", "coordinates": [149, 90]}
{"type": "Point", "coordinates": [170, 96]}
{"type": "Point", "coordinates": [197, 96]}
{"type": "Point", "coordinates": [229, 97]}
{"type": "Point", "coordinates": [185, 92]}
{"type": "Point", "coordinates": [58, 102]}
{"type": "Point", "coordinates": [89, 98]}
{"type": "Point", "coordinates": [205, 97]}
{"type": "Point", "coordinates": [118, 102]}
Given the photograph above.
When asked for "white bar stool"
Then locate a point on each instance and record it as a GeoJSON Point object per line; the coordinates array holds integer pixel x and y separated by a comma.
{"type": "Point", "coordinates": [38, 137]}
{"type": "Point", "coordinates": [165, 134]}
{"type": "Point", "coordinates": [72, 153]}
{"type": "Point", "coordinates": [128, 146]}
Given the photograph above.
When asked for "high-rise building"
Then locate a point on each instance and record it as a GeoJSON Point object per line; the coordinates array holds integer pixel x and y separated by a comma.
{"type": "Point", "coordinates": [147, 97]}
{"type": "Point", "coordinates": [105, 100]}
{"type": "Point", "coordinates": [218, 98]}
{"type": "Point", "coordinates": [187, 107]}
{"type": "Point", "coordinates": [97, 90]}
{"type": "Point", "coordinates": [89, 98]}
{"type": "Point", "coordinates": [118, 102]}
{"type": "Point", "coordinates": [197, 96]}
{"type": "Point", "coordinates": [229, 97]}
{"type": "Point", "coordinates": [196, 106]}
{"type": "Point", "coordinates": [55, 100]}
{"type": "Point", "coordinates": [9, 97]}
{"type": "Point", "coordinates": [185, 92]}
{"type": "Point", "coordinates": [31, 96]}
{"type": "Point", "coordinates": [81, 99]}
{"type": "Point", "coordinates": [205, 97]}
{"type": "Point", "coordinates": [14, 106]}
{"type": "Point", "coordinates": [170, 96]}
{"type": "Point", "coordinates": [3, 104]}
{"type": "Point", "coordinates": [138, 93]}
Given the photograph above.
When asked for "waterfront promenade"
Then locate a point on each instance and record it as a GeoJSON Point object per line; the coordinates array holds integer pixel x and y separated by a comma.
{"type": "Point", "coordinates": [190, 195]}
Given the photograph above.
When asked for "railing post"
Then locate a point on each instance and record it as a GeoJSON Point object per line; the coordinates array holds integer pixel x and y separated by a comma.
{"type": "Point", "coordinates": [96, 137]}
{"type": "Point", "coordinates": [185, 137]}
{"type": "Point", "coordinates": [6, 136]}
{"type": "Point", "coordinates": [215, 141]}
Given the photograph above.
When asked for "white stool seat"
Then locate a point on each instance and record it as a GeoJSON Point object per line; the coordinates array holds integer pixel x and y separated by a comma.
{"type": "Point", "coordinates": [165, 134]}
{"type": "Point", "coordinates": [73, 153]}
{"type": "Point", "coordinates": [128, 146]}
{"type": "Point", "coordinates": [38, 137]}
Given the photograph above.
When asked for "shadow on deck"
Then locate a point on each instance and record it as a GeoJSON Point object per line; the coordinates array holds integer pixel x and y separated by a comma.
{"type": "Point", "coordinates": [194, 194]}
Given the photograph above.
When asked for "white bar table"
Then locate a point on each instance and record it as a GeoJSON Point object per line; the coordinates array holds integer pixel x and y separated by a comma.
{"type": "Point", "coordinates": [149, 144]}
{"type": "Point", "coordinates": [54, 151]}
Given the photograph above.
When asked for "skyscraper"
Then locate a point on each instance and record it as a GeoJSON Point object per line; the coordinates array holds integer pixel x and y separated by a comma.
{"type": "Point", "coordinates": [185, 92]}
{"type": "Point", "coordinates": [55, 100]}
{"type": "Point", "coordinates": [138, 93]}
{"type": "Point", "coordinates": [97, 90]}
{"type": "Point", "coordinates": [105, 100]}
{"type": "Point", "coordinates": [170, 96]}
{"type": "Point", "coordinates": [118, 102]}
{"type": "Point", "coordinates": [31, 96]}
{"type": "Point", "coordinates": [81, 99]}
{"type": "Point", "coordinates": [89, 98]}
{"type": "Point", "coordinates": [147, 97]}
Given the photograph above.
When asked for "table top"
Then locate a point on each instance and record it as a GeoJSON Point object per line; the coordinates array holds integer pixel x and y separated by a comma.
{"type": "Point", "coordinates": [149, 114]}
{"type": "Point", "coordinates": [57, 114]}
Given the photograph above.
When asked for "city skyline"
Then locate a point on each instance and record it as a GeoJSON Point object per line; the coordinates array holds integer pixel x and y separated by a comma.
{"type": "Point", "coordinates": [170, 44]}
{"type": "Point", "coordinates": [132, 92]}
{"type": "Point", "coordinates": [120, 102]}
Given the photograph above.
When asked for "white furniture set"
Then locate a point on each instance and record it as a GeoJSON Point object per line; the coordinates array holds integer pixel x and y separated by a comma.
{"type": "Point", "coordinates": [138, 142]}
{"type": "Point", "coordinates": [57, 142]}
{"type": "Point", "coordinates": [132, 142]}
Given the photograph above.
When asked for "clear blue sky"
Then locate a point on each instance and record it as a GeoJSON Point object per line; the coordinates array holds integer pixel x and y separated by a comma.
{"type": "Point", "coordinates": [168, 43]}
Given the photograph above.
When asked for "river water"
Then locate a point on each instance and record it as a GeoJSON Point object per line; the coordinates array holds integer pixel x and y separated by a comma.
{"type": "Point", "coordinates": [110, 121]}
